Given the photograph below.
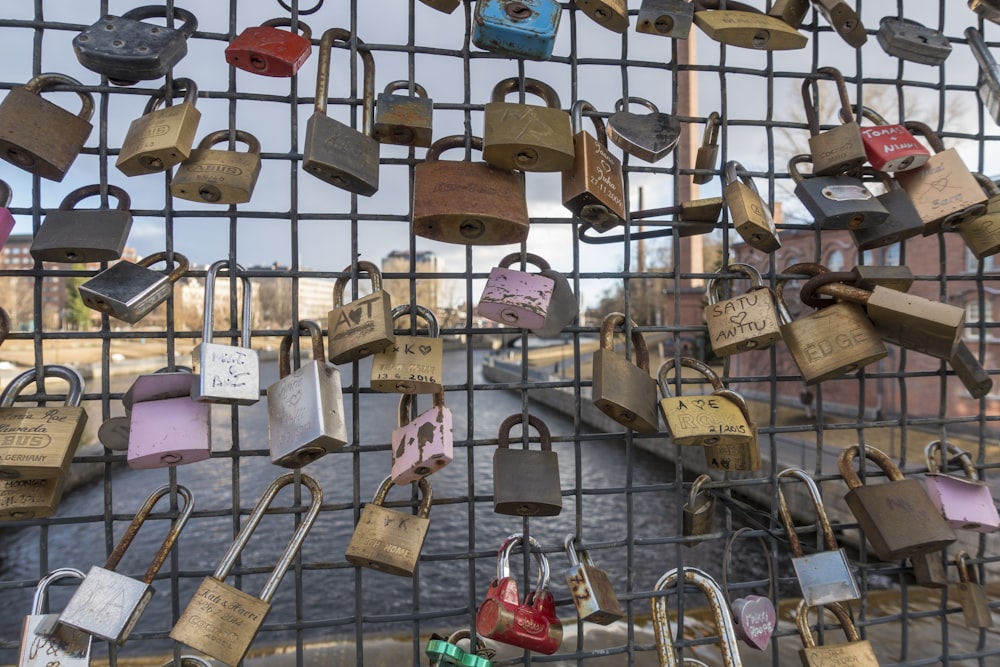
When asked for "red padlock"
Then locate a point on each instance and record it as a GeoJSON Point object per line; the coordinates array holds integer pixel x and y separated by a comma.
{"type": "Point", "coordinates": [267, 51]}
{"type": "Point", "coordinates": [502, 616]}
{"type": "Point", "coordinates": [891, 147]}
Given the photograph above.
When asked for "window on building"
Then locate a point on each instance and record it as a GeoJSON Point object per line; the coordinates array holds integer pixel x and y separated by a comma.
{"type": "Point", "coordinates": [974, 316]}
{"type": "Point", "coordinates": [835, 262]}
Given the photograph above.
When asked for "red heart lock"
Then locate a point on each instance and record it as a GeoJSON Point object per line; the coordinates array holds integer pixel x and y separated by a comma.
{"type": "Point", "coordinates": [755, 619]}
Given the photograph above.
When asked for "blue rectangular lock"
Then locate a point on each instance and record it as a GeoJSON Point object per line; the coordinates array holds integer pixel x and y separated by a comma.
{"type": "Point", "coordinates": [517, 28]}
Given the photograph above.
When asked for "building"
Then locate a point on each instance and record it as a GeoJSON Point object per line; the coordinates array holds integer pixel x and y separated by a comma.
{"type": "Point", "coordinates": [422, 268]}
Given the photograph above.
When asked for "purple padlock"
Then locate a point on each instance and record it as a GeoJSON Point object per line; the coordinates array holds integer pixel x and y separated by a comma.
{"type": "Point", "coordinates": [517, 298]}
{"type": "Point", "coordinates": [167, 427]}
{"type": "Point", "coordinates": [965, 502]}
{"type": "Point", "coordinates": [425, 444]}
{"type": "Point", "coordinates": [6, 219]}
{"type": "Point", "coordinates": [754, 616]}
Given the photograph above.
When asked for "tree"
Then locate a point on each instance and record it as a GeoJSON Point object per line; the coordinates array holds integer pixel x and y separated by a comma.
{"type": "Point", "coordinates": [78, 315]}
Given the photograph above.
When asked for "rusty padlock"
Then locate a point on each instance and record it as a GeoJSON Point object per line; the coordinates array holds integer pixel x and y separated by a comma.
{"type": "Point", "coordinates": [267, 51]}
{"type": "Point", "coordinates": [403, 119]}
{"type": "Point", "coordinates": [593, 594]}
{"type": "Point", "coordinates": [726, 634]}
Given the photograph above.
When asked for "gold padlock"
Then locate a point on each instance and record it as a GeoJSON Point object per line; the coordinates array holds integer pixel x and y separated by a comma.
{"type": "Point", "coordinates": [712, 419]}
{"type": "Point", "coordinates": [735, 456]}
{"type": "Point", "coordinates": [526, 136]}
{"type": "Point", "coordinates": [219, 176]}
{"type": "Point", "coordinates": [748, 213]}
{"type": "Point", "coordinates": [364, 326]}
{"type": "Point", "coordinates": [412, 364]}
{"type": "Point", "coordinates": [981, 234]}
{"type": "Point", "coordinates": [975, 606]}
{"type": "Point", "coordinates": [611, 14]}
{"type": "Point", "coordinates": [594, 190]}
{"type": "Point", "coordinates": [389, 540]}
{"type": "Point", "coordinates": [29, 498]}
{"type": "Point", "coordinates": [624, 391]}
{"type": "Point", "coordinates": [856, 652]}
{"type": "Point", "coordinates": [744, 322]}
{"type": "Point", "coordinates": [840, 149]}
{"type": "Point", "coordinates": [161, 138]}
{"type": "Point", "coordinates": [748, 27]}
{"type": "Point", "coordinates": [708, 153]}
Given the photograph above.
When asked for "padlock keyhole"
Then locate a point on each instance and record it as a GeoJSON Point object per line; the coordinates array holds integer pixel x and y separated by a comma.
{"type": "Point", "coordinates": [151, 162]}
{"type": "Point", "coordinates": [761, 38]}
{"type": "Point", "coordinates": [508, 315]}
{"type": "Point", "coordinates": [664, 24]}
{"type": "Point", "coordinates": [257, 62]}
{"type": "Point", "coordinates": [17, 157]}
{"type": "Point", "coordinates": [73, 256]}
{"type": "Point", "coordinates": [526, 156]}
{"type": "Point", "coordinates": [472, 228]}
{"type": "Point", "coordinates": [401, 134]}
{"type": "Point", "coordinates": [518, 11]}
{"type": "Point", "coordinates": [209, 193]}
{"type": "Point", "coordinates": [601, 15]}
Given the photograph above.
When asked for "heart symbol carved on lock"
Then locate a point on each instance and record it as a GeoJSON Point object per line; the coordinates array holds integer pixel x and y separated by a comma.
{"type": "Point", "coordinates": [355, 315]}
{"type": "Point", "coordinates": [738, 317]}
{"type": "Point", "coordinates": [425, 349]}
{"type": "Point", "coordinates": [755, 619]}
{"type": "Point", "coordinates": [649, 137]}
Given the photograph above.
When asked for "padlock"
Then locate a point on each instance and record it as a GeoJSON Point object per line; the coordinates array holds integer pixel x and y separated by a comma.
{"type": "Point", "coordinates": [305, 407]}
{"type": "Point", "coordinates": [908, 40]}
{"type": "Point", "coordinates": [611, 14]}
{"type": "Point", "coordinates": [649, 137]}
{"type": "Point", "coordinates": [130, 291]}
{"type": "Point", "coordinates": [965, 502]}
{"type": "Point", "coordinates": [890, 146]}
{"type": "Point", "coordinates": [530, 624]}
{"type": "Point", "coordinates": [981, 234]}
{"type": "Point", "coordinates": [6, 219]}
{"type": "Point", "coordinates": [471, 203]}
{"type": "Point", "coordinates": [744, 322]}
{"type": "Point", "coordinates": [563, 308]}
{"type": "Point", "coordinates": [84, 236]}
{"type": "Point", "coordinates": [857, 652]}
{"type": "Point", "coordinates": [989, 79]}
{"type": "Point", "coordinates": [423, 445]}
{"type": "Point", "coordinates": [221, 620]}
{"type": "Point", "coordinates": [867, 276]}
{"type": "Point", "coordinates": [446, 6]}
{"type": "Point", "coordinates": [897, 516]}
{"type": "Point", "coordinates": [697, 216]}
{"type": "Point", "coordinates": [108, 604]}
{"type": "Point", "coordinates": [970, 372]}
{"type": "Point", "coordinates": [39, 442]}
{"type": "Point", "coordinates": [972, 595]}
{"type": "Point", "coordinates": [903, 222]}
{"type": "Point", "coordinates": [727, 641]}
{"type": "Point", "coordinates": [844, 19]}
{"type": "Point", "coordinates": [446, 652]}
{"type": "Point", "coordinates": [517, 298]}
{"type": "Point", "coordinates": [389, 540]}
{"type": "Point", "coordinates": [754, 616]}
{"type": "Point", "coordinates": [334, 152]}
{"type": "Point", "coordinates": [841, 148]}
{"type": "Point", "coordinates": [189, 661]}
{"type": "Point", "coordinates": [127, 50]}
{"type": "Point", "coordinates": [748, 213]}
{"type": "Point", "coordinates": [526, 482]}
{"type": "Point", "coordinates": [362, 327]}
{"type": "Point", "coordinates": [708, 153]}
{"type": "Point", "coordinates": [669, 18]}
{"type": "Point", "coordinates": [527, 136]}
{"type": "Point", "coordinates": [943, 190]}
{"type": "Point", "coordinates": [746, 27]}
{"type": "Point", "coordinates": [521, 29]}
{"type": "Point", "coordinates": [161, 138]}
{"type": "Point", "coordinates": [698, 513]}
{"type": "Point", "coordinates": [227, 374]}
{"type": "Point", "coordinates": [988, 9]}
{"type": "Point", "coordinates": [38, 136]}
{"type": "Point", "coordinates": [219, 176]}
{"type": "Point", "coordinates": [824, 576]}
{"type": "Point", "coordinates": [590, 586]}
{"type": "Point", "coordinates": [413, 364]}
{"type": "Point", "coordinates": [712, 419]}
{"type": "Point", "coordinates": [792, 12]}
{"type": "Point", "coordinates": [836, 202]}
{"type": "Point", "coordinates": [594, 189]}
{"type": "Point", "coordinates": [43, 643]}
{"type": "Point", "coordinates": [929, 570]}
{"type": "Point", "coordinates": [624, 390]}
{"type": "Point", "coordinates": [30, 498]}
{"type": "Point", "coordinates": [738, 455]}
{"type": "Point", "coordinates": [267, 51]}
{"type": "Point", "coordinates": [403, 119]}
{"type": "Point", "coordinates": [161, 398]}
{"type": "Point", "coordinates": [4, 325]}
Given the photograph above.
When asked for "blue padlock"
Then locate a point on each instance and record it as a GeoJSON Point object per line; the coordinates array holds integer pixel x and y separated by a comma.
{"type": "Point", "coordinates": [517, 28]}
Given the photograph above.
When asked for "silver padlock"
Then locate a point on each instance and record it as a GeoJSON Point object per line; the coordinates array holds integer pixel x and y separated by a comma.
{"type": "Point", "coordinates": [72, 235]}
{"type": "Point", "coordinates": [45, 645]}
{"type": "Point", "coordinates": [130, 291]}
{"type": "Point", "coordinates": [650, 137]}
{"type": "Point", "coordinates": [592, 592]}
{"type": "Point", "coordinates": [227, 374]}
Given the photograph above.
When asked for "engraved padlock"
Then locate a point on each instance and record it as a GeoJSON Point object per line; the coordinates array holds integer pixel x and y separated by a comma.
{"type": "Point", "coordinates": [836, 202]}
{"type": "Point", "coordinates": [523, 29]}
{"type": "Point", "coordinates": [727, 641]}
{"type": "Point", "coordinates": [413, 364]}
{"type": "Point", "coordinates": [590, 586]}
{"type": "Point", "coordinates": [70, 235]}
{"type": "Point", "coordinates": [624, 390]}
{"type": "Point", "coordinates": [221, 620]}
{"type": "Point", "coordinates": [128, 50]}
{"type": "Point", "coordinates": [989, 79]}
{"type": "Point", "coordinates": [746, 27]}
{"type": "Point", "coordinates": [594, 189]}
{"type": "Point", "coordinates": [422, 445]}
{"type": "Point", "coordinates": [130, 291]}
{"type": "Point", "coordinates": [610, 14]}
{"type": "Point", "coordinates": [403, 119]}
{"type": "Point", "coordinates": [649, 137]}
{"type": "Point", "coordinates": [841, 148]}
{"type": "Point", "coordinates": [903, 222]}
{"type": "Point", "coordinates": [334, 152]}
{"type": "Point", "coordinates": [739, 455]}
{"type": "Point", "coordinates": [38, 136]}
{"type": "Point", "coordinates": [669, 18]}
{"type": "Point", "coordinates": [857, 652]}
{"type": "Point", "coordinates": [219, 176]}
{"type": "Point", "coordinates": [965, 502]}
{"type": "Point", "coordinates": [517, 298]}
{"type": "Point", "coordinates": [30, 498]}
{"type": "Point", "coordinates": [706, 419]}
{"type": "Point", "coordinates": [389, 540]}
{"type": "Point", "coordinates": [267, 51]}
{"type": "Point", "coordinates": [890, 146]}
{"type": "Point", "coordinates": [108, 604]}
{"type": "Point", "coordinates": [909, 40]}
{"type": "Point", "coordinates": [527, 136]}
{"type": "Point", "coordinates": [161, 398]}
{"type": "Point", "coordinates": [972, 596]}
{"type": "Point", "coordinates": [743, 322]}
{"type": "Point", "coordinates": [227, 374]}
{"type": "Point", "coordinates": [748, 213]}
{"type": "Point", "coordinates": [708, 153]}
{"type": "Point", "coordinates": [698, 513]}
{"type": "Point", "coordinates": [6, 219]}
{"type": "Point", "coordinates": [361, 327]}
{"type": "Point", "coordinates": [526, 482]}
{"type": "Point", "coordinates": [981, 234]}
{"type": "Point", "coordinates": [754, 616]}
{"type": "Point", "coordinates": [446, 652]}
{"type": "Point", "coordinates": [161, 138]}
{"type": "Point", "coordinates": [844, 19]}
{"type": "Point", "coordinates": [305, 407]}
{"type": "Point", "coordinates": [43, 643]}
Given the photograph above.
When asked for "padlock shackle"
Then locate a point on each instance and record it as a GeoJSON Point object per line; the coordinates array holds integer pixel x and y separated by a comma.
{"type": "Point", "coordinates": [140, 518]}
{"type": "Point", "coordinates": [480, 645]}
{"type": "Point", "coordinates": [936, 447]}
{"type": "Point", "coordinates": [451, 141]}
{"type": "Point", "coordinates": [180, 261]}
{"type": "Point", "coordinates": [6, 194]}
{"type": "Point", "coordinates": [219, 136]}
{"type": "Point", "coordinates": [576, 120]}
{"type": "Point", "coordinates": [189, 661]}
{"type": "Point", "coordinates": [812, 115]}
{"type": "Point", "coordinates": [802, 622]}
{"type": "Point", "coordinates": [363, 267]}
{"type": "Point", "coordinates": [415, 311]}
{"type": "Point", "coordinates": [710, 136]}
{"type": "Point", "coordinates": [990, 186]}
{"type": "Point", "coordinates": [727, 554]}
{"type": "Point", "coordinates": [793, 166]}
{"type": "Point", "coordinates": [569, 543]}
{"type": "Point", "coordinates": [695, 490]}
{"type": "Point", "coordinates": [304, 29]}
{"type": "Point", "coordinates": [185, 85]}
{"type": "Point", "coordinates": [152, 11]}
{"type": "Point", "coordinates": [845, 463]}
{"type": "Point", "coordinates": [406, 404]}
{"type": "Point", "coordinates": [802, 268]}
{"type": "Point", "coordinates": [73, 396]}
{"type": "Point", "coordinates": [504, 553]}
{"type": "Point", "coordinates": [623, 103]}
{"type": "Point", "coordinates": [42, 589]}
{"type": "Point", "coordinates": [208, 315]}
{"type": "Point", "coordinates": [640, 353]}
{"type": "Point", "coordinates": [70, 201]}
{"type": "Point", "coordinates": [315, 333]}
{"type": "Point", "coordinates": [426, 495]}
{"type": "Point", "coordinates": [961, 564]}
{"type": "Point", "coordinates": [829, 539]}
{"type": "Point", "coordinates": [715, 284]}
{"type": "Point", "coordinates": [503, 432]}
{"type": "Point", "coordinates": [49, 80]}
{"type": "Point", "coordinates": [529, 258]}
{"type": "Point", "coordinates": [740, 402]}
{"type": "Point", "coordinates": [872, 115]}
{"type": "Point", "coordinates": [402, 84]}
{"type": "Point", "coordinates": [670, 363]}
{"type": "Point", "coordinates": [539, 88]}
{"type": "Point", "coordinates": [323, 75]}
{"type": "Point", "coordinates": [932, 137]}
{"type": "Point", "coordinates": [250, 525]}
{"type": "Point", "coordinates": [832, 284]}
{"type": "Point", "coordinates": [734, 171]}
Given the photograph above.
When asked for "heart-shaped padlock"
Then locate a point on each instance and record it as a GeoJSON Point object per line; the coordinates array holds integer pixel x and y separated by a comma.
{"type": "Point", "coordinates": [649, 137]}
{"type": "Point", "coordinates": [754, 616]}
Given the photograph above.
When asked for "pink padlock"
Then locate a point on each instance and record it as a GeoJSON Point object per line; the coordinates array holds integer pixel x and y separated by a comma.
{"type": "Point", "coordinates": [517, 298]}
{"type": "Point", "coordinates": [6, 219]}
{"type": "Point", "coordinates": [965, 502]}
{"type": "Point", "coordinates": [425, 444]}
{"type": "Point", "coordinates": [167, 427]}
{"type": "Point", "coordinates": [754, 616]}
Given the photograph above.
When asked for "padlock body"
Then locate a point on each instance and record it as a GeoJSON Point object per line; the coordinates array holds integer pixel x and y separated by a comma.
{"type": "Point", "coordinates": [412, 365]}
{"type": "Point", "coordinates": [911, 41]}
{"type": "Point", "coordinates": [833, 341]}
{"type": "Point", "coordinates": [594, 189]}
{"type": "Point", "coordinates": [128, 51]}
{"type": "Point", "coordinates": [6, 225]}
{"type": "Point", "coordinates": [422, 446]}
{"type": "Point", "coordinates": [975, 605]}
{"type": "Point", "coordinates": [966, 504]}
{"type": "Point", "coordinates": [470, 203]}
{"type": "Point", "coordinates": [446, 6]}
{"type": "Point", "coordinates": [754, 620]}
{"type": "Point", "coordinates": [516, 298]}
{"type": "Point", "coordinates": [749, 30]}
{"type": "Point", "coordinates": [268, 51]}
{"type": "Point", "coordinates": [855, 654]}
{"type": "Point", "coordinates": [39, 442]}
{"type": "Point", "coordinates": [904, 222]}
{"type": "Point", "coordinates": [563, 306]}
{"type": "Point", "coordinates": [504, 618]}
{"type": "Point", "coordinates": [158, 140]}
{"type": "Point", "coordinates": [840, 202]}
{"type": "Point", "coordinates": [893, 148]}
{"type": "Point", "coordinates": [169, 432]}
{"type": "Point", "coordinates": [527, 137]}
{"type": "Point", "coordinates": [982, 234]}
{"type": "Point", "coordinates": [30, 498]}
{"type": "Point", "coordinates": [669, 18]}
{"type": "Point", "coordinates": [745, 322]}
{"type": "Point", "coordinates": [624, 392]}
{"type": "Point", "coordinates": [126, 291]}
{"type": "Point", "coordinates": [735, 456]}
{"type": "Point", "coordinates": [837, 150]}
{"type": "Point", "coordinates": [305, 415]}
{"type": "Point", "coordinates": [529, 34]}
{"type": "Point", "coordinates": [360, 328]}
{"type": "Point", "coordinates": [226, 374]}
{"type": "Point", "coordinates": [792, 12]}
{"type": "Point", "coordinates": [705, 420]}
{"type": "Point", "coordinates": [43, 647]}
{"type": "Point", "coordinates": [340, 155]}
{"type": "Point", "coordinates": [82, 236]}
{"type": "Point", "coordinates": [217, 176]}
{"type": "Point", "coordinates": [593, 594]}
{"type": "Point", "coordinates": [403, 120]}
{"type": "Point", "coordinates": [612, 14]}
{"type": "Point", "coordinates": [943, 189]}
{"type": "Point", "coordinates": [916, 323]}
{"type": "Point", "coordinates": [929, 570]}
{"type": "Point", "coordinates": [387, 540]}
{"type": "Point", "coordinates": [220, 621]}
{"type": "Point", "coordinates": [38, 136]}
{"type": "Point", "coordinates": [526, 482]}
{"type": "Point", "coordinates": [107, 605]}
{"type": "Point", "coordinates": [825, 577]}
{"type": "Point", "coordinates": [697, 519]}
{"type": "Point", "coordinates": [706, 158]}
{"type": "Point", "coordinates": [750, 216]}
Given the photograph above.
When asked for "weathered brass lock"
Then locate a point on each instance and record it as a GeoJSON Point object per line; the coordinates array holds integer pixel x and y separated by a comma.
{"type": "Point", "coordinates": [727, 641]}
{"type": "Point", "coordinates": [708, 153]}
{"type": "Point", "coordinates": [744, 322]}
{"type": "Point", "coordinates": [649, 137]}
{"type": "Point", "coordinates": [903, 222]}
{"type": "Point", "coordinates": [748, 213]}
{"type": "Point", "coordinates": [841, 148]}
{"type": "Point", "coordinates": [611, 14]}
{"type": "Point", "coordinates": [740, 455]}
{"type": "Point", "coordinates": [707, 419]}
{"type": "Point", "coordinates": [526, 136]}
{"type": "Point", "coordinates": [988, 9]}
{"type": "Point", "coordinates": [30, 498]}
{"type": "Point", "coordinates": [334, 152]}
{"type": "Point", "coordinates": [412, 364]}
{"type": "Point", "coordinates": [965, 502]}
{"type": "Point", "coordinates": [836, 202]}
{"type": "Point", "coordinates": [594, 190]}
{"type": "Point", "coordinates": [363, 326]}
{"type": "Point", "coordinates": [857, 652]}
{"type": "Point", "coordinates": [844, 19]}
{"type": "Point", "coordinates": [970, 372]}
{"type": "Point", "coordinates": [72, 236]}
{"type": "Point", "coordinates": [929, 570]}
{"type": "Point", "coordinates": [698, 513]}
{"type": "Point", "coordinates": [43, 644]}
{"type": "Point", "coordinates": [389, 540]}
{"type": "Point", "coordinates": [590, 586]}
{"type": "Point", "coordinates": [792, 12]}
{"type": "Point", "coordinates": [221, 620]}
{"type": "Point", "coordinates": [161, 138]}
{"type": "Point", "coordinates": [908, 40]}
{"type": "Point", "coordinates": [526, 482]}
{"type": "Point", "coordinates": [130, 291]}
{"type": "Point", "coordinates": [622, 390]}
{"type": "Point", "coordinates": [267, 51]}
{"type": "Point", "coordinates": [981, 234]}
{"type": "Point", "coordinates": [467, 202]}
{"type": "Point", "coordinates": [403, 119]}
{"type": "Point", "coordinates": [38, 136]}
{"type": "Point", "coordinates": [669, 18]}
{"type": "Point", "coordinates": [696, 216]}
{"type": "Point", "coordinates": [745, 26]}
{"type": "Point", "coordinates": [219, 176]}
{"type": "Point", "coordinates": [972, 595]}
{"type": "Point", "coordinates": [754, 616]}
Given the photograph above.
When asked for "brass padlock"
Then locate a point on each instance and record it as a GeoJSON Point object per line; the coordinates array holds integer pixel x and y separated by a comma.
{"type": "Point", "coordinates": [412, 364]}
{"type": "Point", "coordinates": [708, 153]}
{"type": "Point", "coordinates": [856, 652]}
{"type": "Point", "coordinates": [903, 222]}
{"type": "Point", "coordinates": [970, 372]}
{"type": "Point", "coordinates": [467, 202]}
{"type": "Point", "coordinates": [844, 19]}
{"type": "Point", "coordinates": [981, 234]}
{"type": "Point", "coordinates": [696, 216]}
{"type": "Point", "coordinates": [39, 442]}
{"type": "Point", "coordinates": [744, 322]}
{"type": "Point", "coordinates": [748, 213]}
{"type": "Point", "coordinates": [740, 455]}
{"type": "Point", "coordinates": [698, 512]}
{"type": "Point", "coordinates": [389, 540]}
{"type": "Point", "coordinates": [622, 390]}
{"type": "Point", "coordinates": [649, 137]}
{"type": "Point", "coordinates": [83, 236]}
{"type": "Point", "coordinates": [972, 595]}
{"type": "Point", "coordinates": [30, 498]}
{"type": "Point", "coordinates": [727, 641]}
{"type": "Point", "coordinates": [746, 27]}
{"type": "Point", "coordinates": [869, 276]}
{"type": "Point", "coordinates": [594, 190]}
{"type": "Point", "coordinates": [669, 18]}
{"type": "Point", "coordinates": [363, 326]}
{"type": "Point", "coordinates": [526, 482]}
{"type": "Point", "coordinates": [526, 136]}
{"type": "Point", "coordinates": [707, 419]}
{"type": "Point", "coordinates": [792, 12]}
{"type": "Point", "coordinates": [590, 586]}
{"type": "Point", "coordinates": [130, 291]}
{"type": "Point", "coordinates": [38, 136]}
{"type": "Point", "coordinates": [929, 570]}
{"type": "Point", "coordinates": [219, 176]}
{"type": "Point", "coordinates": [221, 620]}
{"type": "Point", "coordinates": [611, 14]}
{"type": "Point", "coordinates": [43, 644]}
{"type": "Point", "coordinates": [841, 148]}
{"type": "Point", "coordinates": [403, 119]}
{"type": "Point", "coordinates": [161, 138]}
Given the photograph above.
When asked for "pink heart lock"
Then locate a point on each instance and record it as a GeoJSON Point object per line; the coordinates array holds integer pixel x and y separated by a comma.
{"type": "Point", "coordinates": [754, 618]}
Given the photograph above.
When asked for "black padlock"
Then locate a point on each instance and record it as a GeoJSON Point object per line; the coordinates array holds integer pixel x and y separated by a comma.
{"type": "Point", "coordinates": [72, 235]}
{"type": "Point", "coordinates": [904, 219]}
{"type": "Point", "coordinates": [836, 202]}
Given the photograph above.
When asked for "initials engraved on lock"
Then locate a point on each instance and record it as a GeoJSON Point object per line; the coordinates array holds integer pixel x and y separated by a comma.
{"type": "Point", "coordinates": [348, 324]}
{"type": "Point", "coordinates": [734, 318]}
